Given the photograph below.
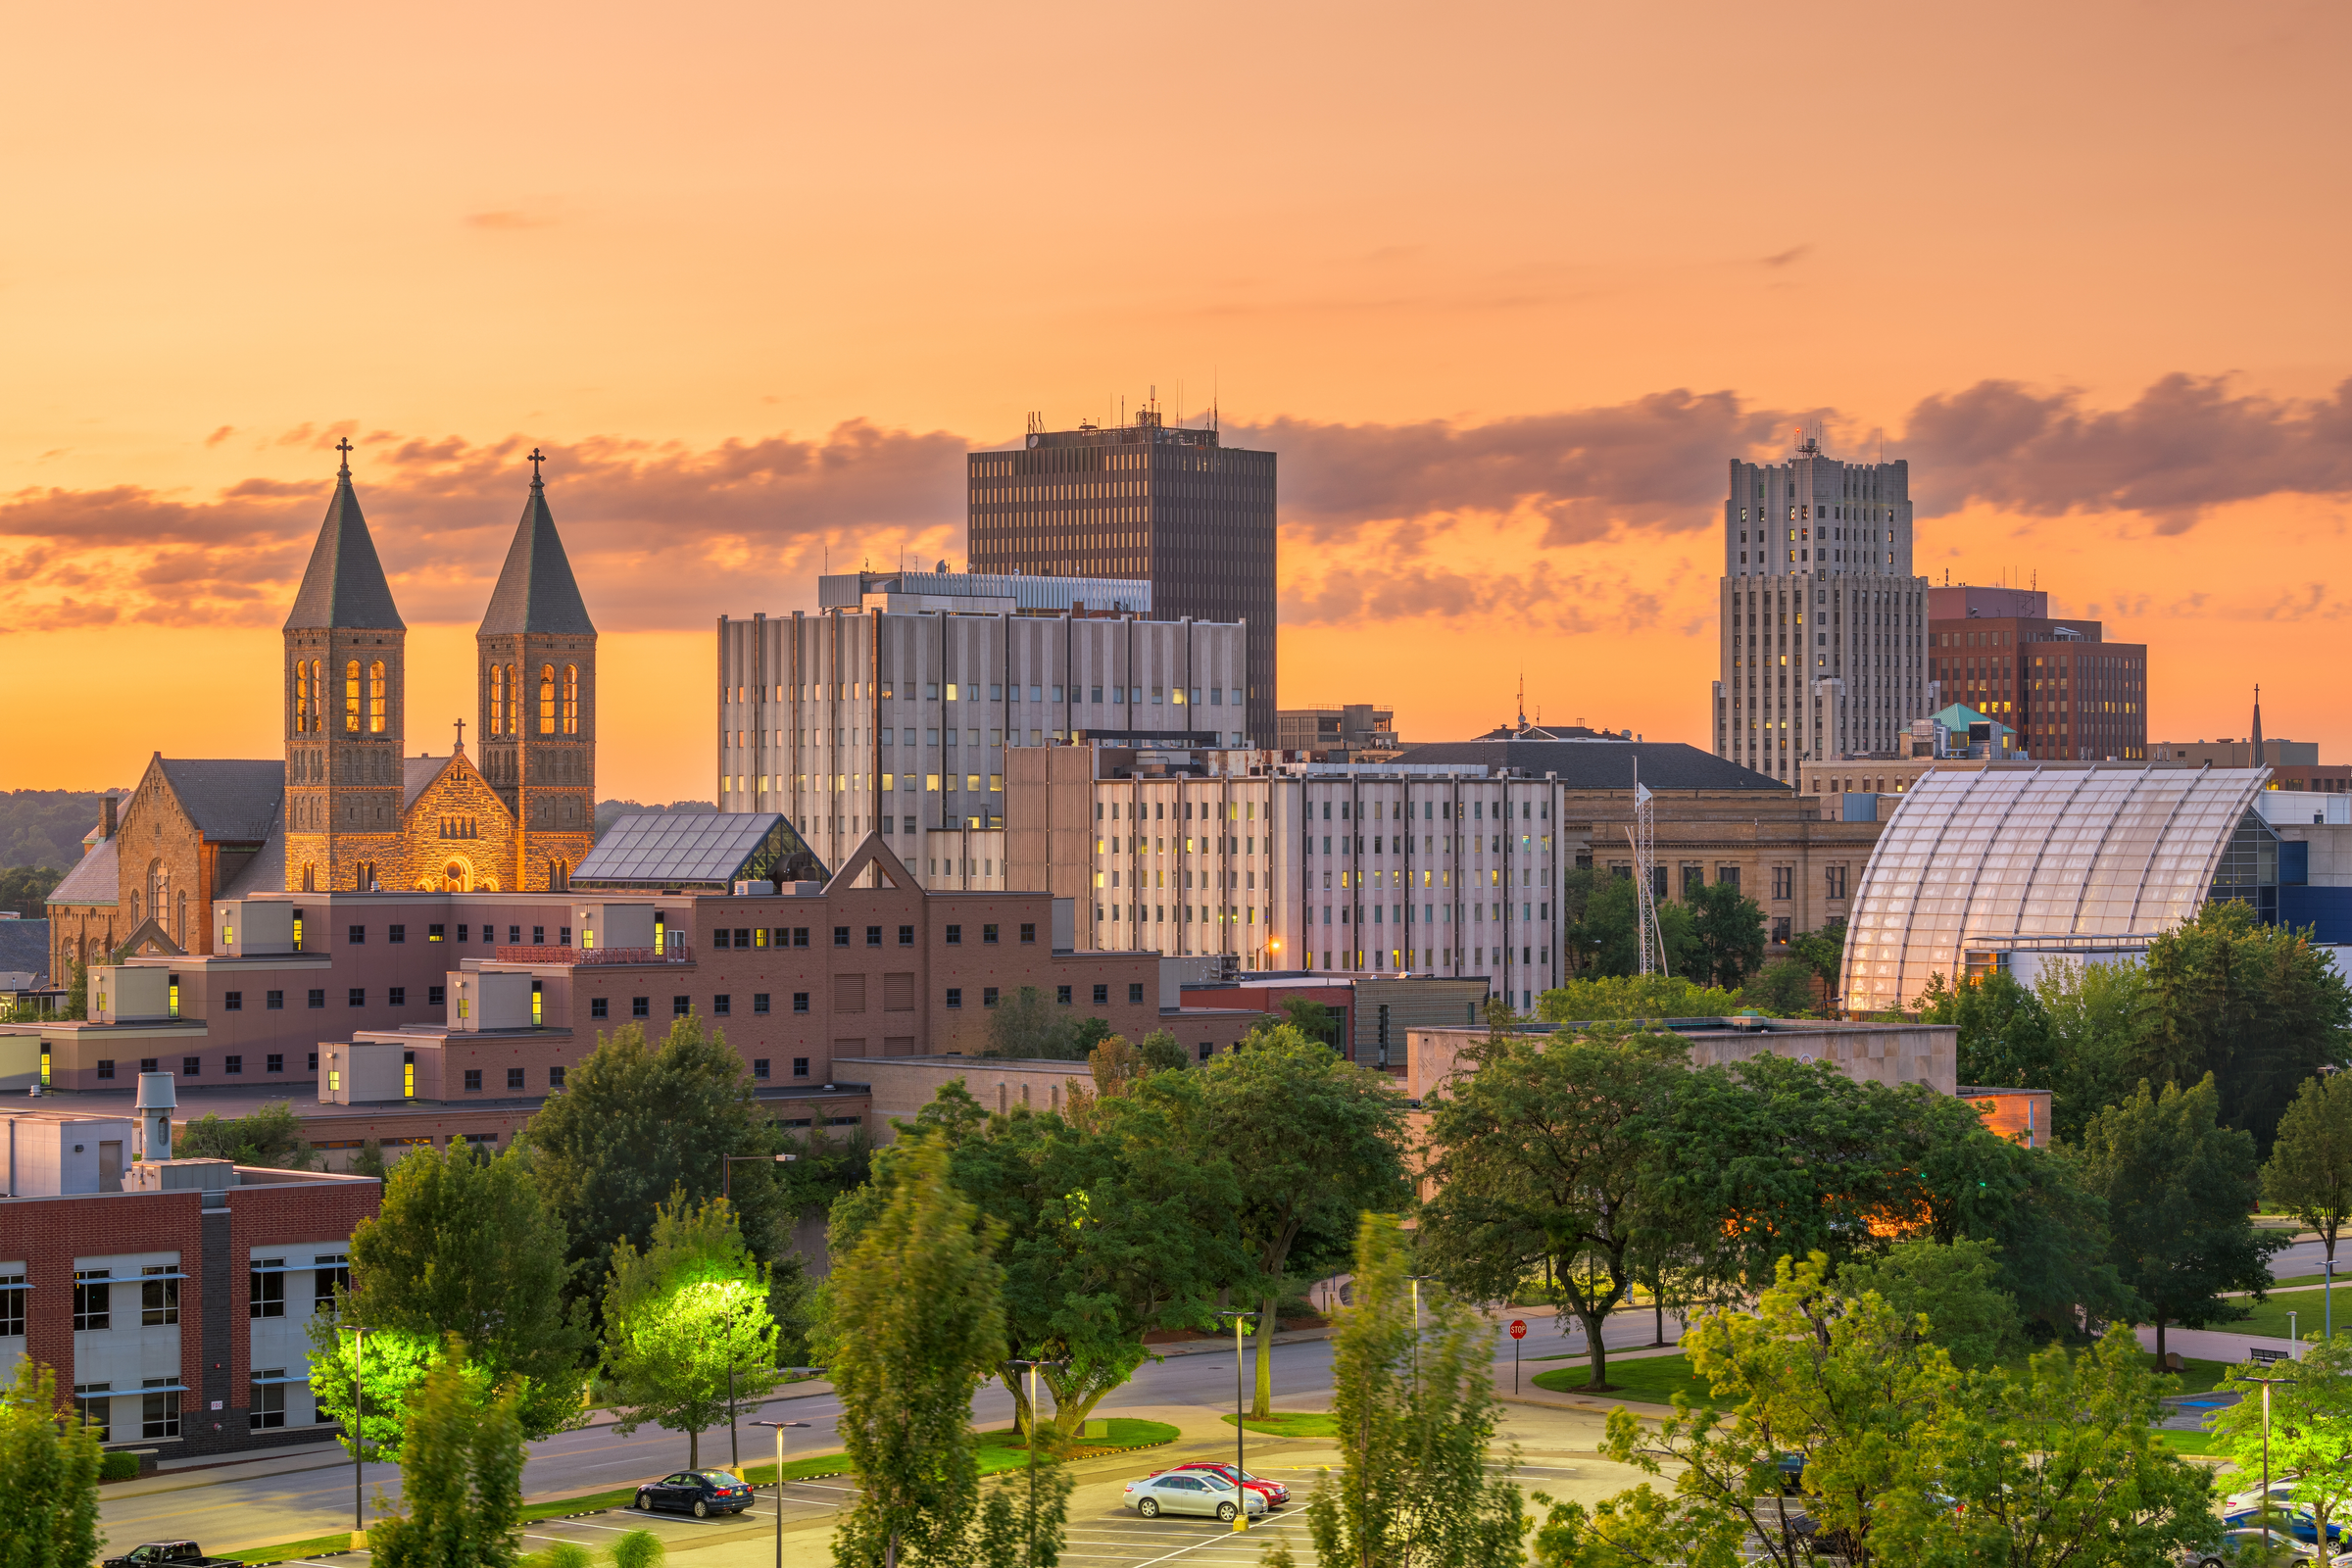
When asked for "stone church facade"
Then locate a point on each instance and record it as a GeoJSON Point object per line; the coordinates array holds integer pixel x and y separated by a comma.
{"type": "Point", "coordinates": [349, 809]}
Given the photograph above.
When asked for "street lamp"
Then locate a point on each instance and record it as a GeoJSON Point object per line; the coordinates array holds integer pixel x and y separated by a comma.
{"type": "Point", "coordinates": [728, 1162]}
{"type": "Point", "coordinates": [779, 1426]}
{"type": "Point", "coordinates": [1033, 1364]}
{"type": "Point", "coordinates": [2266, 1449]}
{"type": "Point", "coordinates": [359, 1441]}
{"type": "Point", "coordinates": [726, 1176]}
{"type": "Point", "coordinates": [1240, 1492]}
{"type": "Point", "coordinates": [1416, 1280]}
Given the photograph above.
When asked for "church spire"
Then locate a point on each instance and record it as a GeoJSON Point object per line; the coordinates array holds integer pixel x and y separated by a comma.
{"type": "Point", "coordinates": [344, 584]}
{"type": "Point", "coordinates": [536, 592]}
{"type": "Point", "coordinates": [2257, 760]}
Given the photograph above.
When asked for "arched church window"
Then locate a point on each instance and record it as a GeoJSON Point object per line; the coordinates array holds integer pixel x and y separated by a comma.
{"type": "Point", "coordinates": [302, 695]}
{"type": "Point", "coordinates": [351, 697]}
{"type": "Point", "coordinates": [571, 698]}
{"type": "Point", "coordinates": [547, 699]}
{"type": "Point", "coordinates": [318, 698]}
{"type": "Point", "coordinates": [376, 698]}
{"type": "Point", "coordinates": [498, 698]}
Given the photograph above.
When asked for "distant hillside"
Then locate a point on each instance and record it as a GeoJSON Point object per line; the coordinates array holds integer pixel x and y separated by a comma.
{"type": "Point", "coordinates": [609, 812]}
{"type": "Point", "coordinates": [44, 828]}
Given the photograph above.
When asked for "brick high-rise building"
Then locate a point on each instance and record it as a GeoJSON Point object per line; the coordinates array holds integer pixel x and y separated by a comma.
{"type": "Point", "coordinates": [2057, 681]}
{"type": "Point", "coordinates": [1164, 503]}
{"type": "Point", "coordinates": [1824, 625]}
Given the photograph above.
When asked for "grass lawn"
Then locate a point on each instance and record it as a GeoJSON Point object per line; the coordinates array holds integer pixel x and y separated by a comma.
{"type": "Point", "coordinates": [1644, 1380]}
{"type": "Point", "coordinates": [2311, 1315]}
{"type": "Point", "coordinates": [1009, 1450]}
{"type": "Point", "coordinates": [1292, 1423]}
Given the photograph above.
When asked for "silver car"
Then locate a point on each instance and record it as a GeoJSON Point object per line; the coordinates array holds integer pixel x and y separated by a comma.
{"type": "Point", "coordinates": [1189, 1492]}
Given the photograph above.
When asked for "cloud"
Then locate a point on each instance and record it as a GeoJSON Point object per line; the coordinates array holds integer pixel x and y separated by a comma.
{"type": "Point", "coordinates": [1794, 253]}
{"type": "Point", "coordinates": [219, 435]}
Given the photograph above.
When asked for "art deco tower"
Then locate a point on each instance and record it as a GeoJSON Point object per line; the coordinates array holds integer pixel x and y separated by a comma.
{"type": "Point", "coordinates": [536, 648]}
{"type": "Point", "coordinates": [345, 648]}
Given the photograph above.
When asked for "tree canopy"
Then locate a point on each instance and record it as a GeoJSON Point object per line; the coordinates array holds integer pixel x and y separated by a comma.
{"type": "Point", "coordinates": [2309, 1173]}
{"type": "Point", "coordinates": [688, 1335]}
{"type": "Point", "coordinates": [460, 1475]}
{"type": "Point", "coordinates": [48, 1476]}
{"type": "Point", "coordinates": [271, 1134]}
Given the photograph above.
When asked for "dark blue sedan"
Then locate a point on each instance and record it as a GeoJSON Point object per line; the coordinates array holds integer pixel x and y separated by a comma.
{"type": "Point", "coordinates": [700, 1493]}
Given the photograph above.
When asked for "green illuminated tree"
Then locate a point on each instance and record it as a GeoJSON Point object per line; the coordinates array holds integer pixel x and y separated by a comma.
{"type": "Point", "coordinates": [48, 1476]}
{"type": "Point", "coordinates": [460, 1475]}
{"type": "Point", "coordinates": [688, 1336]}
{"type": "Point", "coordinates": [916, 1323]}
{"type": "Point", "coordinates": [461, 1245]}
{"type": "Point", "coordinates": [2310, 1427]}
{"type": "Point", "coordinates": [2310, 1169]}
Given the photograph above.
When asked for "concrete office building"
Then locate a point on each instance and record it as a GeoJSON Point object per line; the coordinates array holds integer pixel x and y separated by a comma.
{"type": "Point", "coordinates": [2071, 694]}
{"type": "Point", "coordinates": [1339, 732]}
{"type": "Point", "coordinates": [1824, 626]}
{"type": "Point", "coordinates": [1167, 503]}
{"type": "Point", "coordinates": [894, 706]}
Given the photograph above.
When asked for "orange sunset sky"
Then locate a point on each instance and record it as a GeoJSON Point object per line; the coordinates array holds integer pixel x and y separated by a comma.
{"type": "Point", "coordinates": [1504, 285]}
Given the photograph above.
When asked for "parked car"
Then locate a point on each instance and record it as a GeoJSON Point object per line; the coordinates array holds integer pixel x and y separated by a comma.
{"type": "Point", "coordinates": [2247, 1548]}
{"type": "Point", "coordinates": [700, 1493]}
{"type": "Point", "coordinates": [176, 1554]}
{"type": "Point", "coordinates": [1274, 1491]}
{"type": "Point", "coordinates": [1191, 1492]}
{"type": "Point", "coordinates": [2286, 1519]}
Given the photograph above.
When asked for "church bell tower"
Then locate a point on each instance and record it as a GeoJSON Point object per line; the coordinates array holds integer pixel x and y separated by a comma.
{"type": "Point", "coordinates": [345, 657]}
{"type": "Point", "coordinates": [536, 679]}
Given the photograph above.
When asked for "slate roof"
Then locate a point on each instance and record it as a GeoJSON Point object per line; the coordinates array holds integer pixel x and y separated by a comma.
{"type": "Point", "coordinates": [24, 949]}
{"type": "Point", "coordinates": [344, 584]}
{"type": "Point", "coordinates": [266, 872]}
{"type": "Point", "coordinates": [536, 591]}
{"type": "Point", "coordinates": [96, 878]}
{"type": "Point", "coordinates": [416, 774]}
{"type": "Point", "coordinates": [1601, 764]}
{"type": "Point", "coordinates": [230, 801]}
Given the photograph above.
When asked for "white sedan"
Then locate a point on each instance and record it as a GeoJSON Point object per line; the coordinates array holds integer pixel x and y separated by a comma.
{"type": "Point", "coordinates": [1189, 1492]}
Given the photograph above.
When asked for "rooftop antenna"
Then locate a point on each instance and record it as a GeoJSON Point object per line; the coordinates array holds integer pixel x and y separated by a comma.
{"type": "Point", "coordinates": [1523, 702]}
{"type": "Point", "coordinates": [1642, 836]}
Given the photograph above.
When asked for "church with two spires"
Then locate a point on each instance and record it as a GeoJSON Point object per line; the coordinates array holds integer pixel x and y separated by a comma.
{"type": "Point", "coordinates": [350, 808]}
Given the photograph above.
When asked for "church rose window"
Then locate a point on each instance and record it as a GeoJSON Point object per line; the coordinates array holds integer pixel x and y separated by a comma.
{"type": "Point", "coordinates": [351, 697]}
{"type": "Point", "coordinates": [547, 699]}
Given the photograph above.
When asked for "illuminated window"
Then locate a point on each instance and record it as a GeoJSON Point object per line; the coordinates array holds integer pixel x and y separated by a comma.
{"type": "Point", "coordinates": [571, 698]}
{"type": "Point", "coordinates": [547, 699]}
{"type": "Point", "coordinates": [376, 698]}
{"type": "Point", "coordinates": [302, 695]}
{"type": "Point", "coordinates": [351, 697]}
{"type": "Point", "coordinates": [498, 698]}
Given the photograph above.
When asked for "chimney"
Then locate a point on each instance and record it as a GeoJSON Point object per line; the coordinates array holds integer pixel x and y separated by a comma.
{"type": "Point", "coordinates": [105, 818]}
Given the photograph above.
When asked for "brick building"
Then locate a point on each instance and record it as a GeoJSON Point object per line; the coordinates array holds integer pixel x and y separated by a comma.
{"type": "Point", "coordinates": [2057, 681]}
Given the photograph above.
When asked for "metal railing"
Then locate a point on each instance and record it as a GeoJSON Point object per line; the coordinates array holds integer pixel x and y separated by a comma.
{"type": "Point", "coordinates": [669, 952]}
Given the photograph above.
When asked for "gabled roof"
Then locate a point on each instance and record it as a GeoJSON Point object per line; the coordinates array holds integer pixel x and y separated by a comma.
{"type": "Point", "coordinates": [536, 591]}
{"type": "Point", "coordinates": [96, 878]}
{"type": "Point", "coordinates": [230, 801]}
{"type": "Point", "coordinates": [416, 775]}
{"type": "Point", "coordinates": [344, 584]}
{"type": "Point", "coordinates": [698, 851]}
{"type": "Point", "coordinates": [266, 872]}
{"type": "Point", "coordinates": [873, 850]}
{"type": "Point", "coordinates": [1601, 764]}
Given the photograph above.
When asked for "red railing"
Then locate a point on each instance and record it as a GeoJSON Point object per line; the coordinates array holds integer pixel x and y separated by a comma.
{"type": "Point", "coordinates": [674, 952]}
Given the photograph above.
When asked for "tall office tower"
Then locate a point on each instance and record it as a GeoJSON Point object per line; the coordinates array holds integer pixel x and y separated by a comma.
{"type": "Point", "coordinates": [1164, 503]}
{"type": "Point", "coordinates": [1824, 626]}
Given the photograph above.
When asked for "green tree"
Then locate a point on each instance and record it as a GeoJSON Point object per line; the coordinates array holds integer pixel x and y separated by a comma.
{"type": "Point", "coordinates": [688, 1334]}
{"type": "Point", "coordinates": [1824, 949]}
{"type": "Point", "coordinates": [1303, 1014]}
{"type": "Point", "coordinates": [1312, 1141]}
{"type": "Point", "coordinates": [1954, 1285]}
{"type": "Point", "coordinates": [268, 1135]}
{"type": "Point", "coordinates": [1161, 1052]}
{"type": "Point", "coordinates": [915, 1323]}
{"type": "Point", "coordinates": [2310, 1427]}
{"type": "Point", "coordinates": [2259, 1007]}
{"type": "Point", "coordinates": [1603, 936]}
{"type": "Point", "coordinates": [1726, 935]}
{"type": "Point", "coordinates": [2005, 1032]}
{"type": "Point", "coordinates": [465, 1246]}
{"type": "Point", "coordinates": [635, 1124]}
{"type": "Point", "coordinates": [25, 889]}
{"type": "Point", "coordinates": [1783, 987]}
{"type": "Point", "coordinates": [1026, 1025]}
{"type": "Point", "coordinates": [461, 1476]}
{"type": "Point", "coordinates": [48, 1476]}
{"type": "Point", "coordinates": [1631, 997]}
{"type": "Point", "coordinates": [1415, 1413]}
{"type": "Point", "coordinates": [1542, 1155]}
{"type": "Point", "coordinates": [2309, 1173]}
{"type": "Point", "coordinates": [2180, 1189]}
{"type": "Point", "coordinates": [2093, 1011]}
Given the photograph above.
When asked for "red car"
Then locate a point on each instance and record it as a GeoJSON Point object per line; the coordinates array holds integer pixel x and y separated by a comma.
{"type": "Point", "coordinates": [1274, 1491]}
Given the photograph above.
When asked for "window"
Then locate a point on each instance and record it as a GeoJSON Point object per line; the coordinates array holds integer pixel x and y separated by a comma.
{"type": "Point", "coordinates": [759, 1066]}
{"type": "Point", "coordinates": [571, 698]}
{"type": "Point", "coordinates": [106, 1067]}
{"type": "Point", "coordinates": [988, 936]}
{"type": "Point", "coordinates": [554, 1077]}
{"type": "Point", "coordinates": [1028, 932]}
{"type": "Point", "coordinates": [873, 936]}
{"type": "Point", "coordinates": [158, 1295]}
{"type": "Point", "coordinates": [12, 1306]}
{"type": "Point", "coordinates": [955, 996]}
{"type": "Point", "coordinates": [1062, 994]}
{"type": "Point", "coordinates": [333, 1273]}
{"type": "Point", "coordinates": [799, 1002]}
{"type": "Point", "coordinates": [800, 937]}
{"type": "Point", "coordinates": [1834, 881]}
{"type": "Point", "coordinates": [723, 1005]}
{"type": "Point", "coordinates": [538, 935]}
{"type": "Point", "coordinates": [988, 996]}
{"type": "Point", "coordinates": [95, 1404]}
{"type": "Point", "coordinates": [233, 1065]}
{"type": "Point", "coordinates": [718, 937]}
{"type": "Point", "coordinates": [680, 1006]}
{"type": "Point", "coordinates": [514, 1078]}
{"type": "Point", "coordinates": [398, 996]}
{"type": "Point", "coordinates": [473, 1078]}
{"type": "Point", "coordinates": [955, 936]}
{"type": "Point", "coordinates": [398, 933]}
{"type": "Point", "coordinates": [905, 936]}
{"type": "Point", "coordinates": [358, 935]}
{"type": "Point", "coordinates": [759, 1001]}
{"type": "Point", "coordinates": [190, 1066]}
{"type": "Point", "coordinates": [641, 1008]}
{"type": "Point", "coordinates": [358, 995]}
{"type": "Point", "coordinates": [158, 1410]}
{"type": "Point", "coordinates": [1780, 928]}
{"type": "Point", "coordinates": [547, 699]}
{"type": "Point", "coordinates": [1135, 993]}
{"type": "Point", "coordinates": [1101, 994]}
{"type": "Point", "coordinates": [1783, 881]}
{"type": "Point", "coordinates": [269, 1399]}
{"type": "Point", "coordinates": [436, 995]}
{"type": "Point", "coordinates": [234, 1000]}
{"type": "Point", "coordinates": [799, 1066]}
{"type": "Point", "coordinates": [265, 1288]}
{"type": "Point", "coordinates": [274, 1000]}
{"type": "Point", "coordinates": [433, 933]}
{"type": "Point", "coordinates": [841, 936]}
{"type": "Point", "coordinates": [600, 1006]}
{"type": "Point", "coordinates": [313, 1066]}
{"type": "Point", "coordinates": [274, 1062]}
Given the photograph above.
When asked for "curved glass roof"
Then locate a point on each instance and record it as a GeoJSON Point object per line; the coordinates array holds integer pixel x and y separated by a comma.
{"type": "Point", "coordinates": [1984, 861]}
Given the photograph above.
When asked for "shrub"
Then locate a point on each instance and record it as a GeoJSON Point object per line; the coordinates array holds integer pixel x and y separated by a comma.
{"type": "Point", "coordinates": [117, 1466]}
{"type": "Point", "coordinates": [639, 1549]}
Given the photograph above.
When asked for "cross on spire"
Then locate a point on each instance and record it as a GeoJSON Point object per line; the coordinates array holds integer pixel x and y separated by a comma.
{"type": "Point", "coordinates": [460, 737]}
{"type": "Point", "coordinates": [344, 446]}
{"type": "Point", "coordinates": [537, 458]}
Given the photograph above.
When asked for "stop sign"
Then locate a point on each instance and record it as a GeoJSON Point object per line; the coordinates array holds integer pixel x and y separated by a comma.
{"type": "Point", "coordinates": [1518, 1329]}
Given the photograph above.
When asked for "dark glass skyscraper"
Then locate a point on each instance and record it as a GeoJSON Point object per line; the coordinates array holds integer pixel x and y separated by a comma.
{"type": "Point", "coordinates": [1164, 503]}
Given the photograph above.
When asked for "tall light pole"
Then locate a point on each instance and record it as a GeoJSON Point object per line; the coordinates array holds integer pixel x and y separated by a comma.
{"type": "Point", "coordinates": [1241, 1491]}
{"type": "Point", "coordinates": [359, 1440]}
{"type": "Point", "coordinates": [779, 1426]}
{"type": "Point", "coordinates": [1416, 1280]}
{"type": "Point", "coordinates": [2266, 1449]}
{"type": "Point", "coordinates": [1033, 1364]}
{"type": "Point", "coordinates": [726, 1177]}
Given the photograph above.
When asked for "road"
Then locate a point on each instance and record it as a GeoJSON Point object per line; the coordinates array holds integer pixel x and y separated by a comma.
{"type": "Point", "coordinates": [1189, 1392]}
